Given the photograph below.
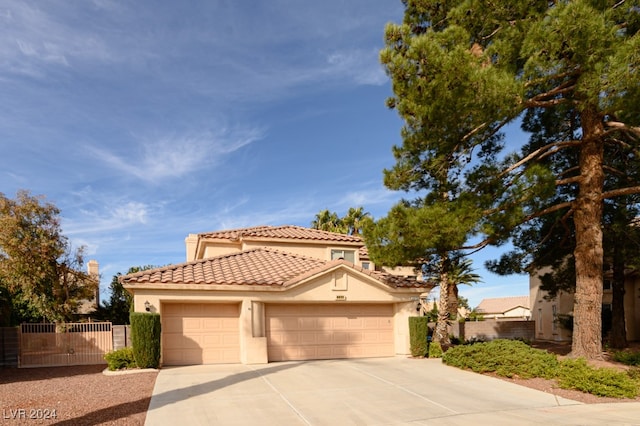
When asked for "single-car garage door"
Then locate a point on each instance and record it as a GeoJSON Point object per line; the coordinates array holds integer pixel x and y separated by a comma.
{"type": "Point", "coordinates": [200, 333]}
{"type": "Point", "coordinates": [315, 331]}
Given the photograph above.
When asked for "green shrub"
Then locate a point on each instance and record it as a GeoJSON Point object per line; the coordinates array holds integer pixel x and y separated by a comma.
{"type": "Point", "coordinates": [627, 357]}
{"type": "Point", "coordinates": [120, 359]}
{"type": "Point", "coordinates": [634, 373]}
{"type": "Point", "coordinates": [577, 374]}
{"type": "Point", "coordinates": [508, 358]}
{"type": "Point", "coordinates": [145, 339]}
{"type": "Point", "coordinates": [418, 330]}
{"type": "Point", "coordinates": [512, 358]}
{"type": "Point", "coordinates": [435, 350]}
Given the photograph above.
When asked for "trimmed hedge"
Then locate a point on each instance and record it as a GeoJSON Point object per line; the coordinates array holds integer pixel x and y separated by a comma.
{"type": "Point", "coordinates": [145, 339]}
{"type": "Point", "coordinates": [418, 330]}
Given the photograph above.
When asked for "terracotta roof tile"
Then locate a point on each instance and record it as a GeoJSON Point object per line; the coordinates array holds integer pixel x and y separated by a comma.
{"type": "Point", "coordinates": [363, 253]}
{"type": "Point", "coordinates": [259, 266]}
{"type": "Point", "coordinates": [500, 305]}
{"type": "Point", "coordinates": [252, 267]}
{"type": "Point", "coordinates": [282, 232]}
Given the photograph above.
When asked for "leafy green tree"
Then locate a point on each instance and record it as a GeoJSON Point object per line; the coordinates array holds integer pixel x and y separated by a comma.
{"type": "Point", "coordinates": [462, 70]}
{"type": "Point", "coordinates": [39, 270]}
{"type": "Point", "coordinates": [119, 305]}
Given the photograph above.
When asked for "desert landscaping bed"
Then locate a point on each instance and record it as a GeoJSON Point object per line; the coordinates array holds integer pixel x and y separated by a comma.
{"type": "Point", "coordinates": [550, 386]}
{"type": "Point", "coordinates": [76, 395]}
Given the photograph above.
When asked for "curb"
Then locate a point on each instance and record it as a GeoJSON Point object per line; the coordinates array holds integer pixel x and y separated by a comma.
{"type": "Point", "coordinates": [108, 372]}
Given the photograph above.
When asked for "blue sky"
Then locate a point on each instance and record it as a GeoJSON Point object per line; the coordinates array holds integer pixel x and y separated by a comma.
{"type": "Point", "coordinates": [146, 121]}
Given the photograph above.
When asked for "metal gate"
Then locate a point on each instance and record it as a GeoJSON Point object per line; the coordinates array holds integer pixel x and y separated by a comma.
{"type": "Point", "coordinates": [48, 345]}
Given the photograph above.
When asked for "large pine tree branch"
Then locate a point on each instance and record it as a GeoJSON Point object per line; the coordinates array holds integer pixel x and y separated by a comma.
{"type": "Point", "coordinates": [542, 152]}
{"type": "Point", "coordinates": [617, 125]}
{"type": "Point", "coordinates": [567, 181]}
{"type": "Point", "coordinates": [620, 192]}
{"type": "Point", "coordinates": [570, 73]}
{"type": "Point", "coordinates": [551, 97]}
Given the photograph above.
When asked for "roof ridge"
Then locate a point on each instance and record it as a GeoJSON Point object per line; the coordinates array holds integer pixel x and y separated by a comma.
{"type": "Point", "coordinates": [283, 232]}
{"type": "Point", "coordinates": [505, 297]}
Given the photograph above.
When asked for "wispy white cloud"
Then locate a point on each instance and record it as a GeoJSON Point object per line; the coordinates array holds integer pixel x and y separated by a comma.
{"type": "Point", "coordinates": [377, 200]}
{"type": "Point", "coordinates": [359, 65]}
{"type": "Point", "coordinates": [35, 38]}
{"type": "Point", "coordinates": [175, 156]}
{"type": "Point", "coordinates": [107, 218]}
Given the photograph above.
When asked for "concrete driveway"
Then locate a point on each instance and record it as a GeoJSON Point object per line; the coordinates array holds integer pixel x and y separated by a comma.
{"type": "Point", "coordinates": [375, 391]}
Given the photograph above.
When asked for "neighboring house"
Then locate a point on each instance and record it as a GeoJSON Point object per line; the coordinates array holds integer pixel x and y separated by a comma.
{"type": "Point", "coordinates": [275, 293]}
{"type": "Point", "coordinates": [508, 308]}
{"type": "Point", "coordinates": [549, 313]}
{"type": "Point", "coordinates": [428, 305]}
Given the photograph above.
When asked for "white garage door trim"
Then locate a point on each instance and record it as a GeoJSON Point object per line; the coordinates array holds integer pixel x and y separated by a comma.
{"type": "Point", "coordinates": [329, 331]}
{"type": "Point", "coordinates": [200, 333]}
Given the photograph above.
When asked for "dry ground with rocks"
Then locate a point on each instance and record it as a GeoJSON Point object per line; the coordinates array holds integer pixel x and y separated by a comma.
{"type": "Point", "coordinates": [75, 395]}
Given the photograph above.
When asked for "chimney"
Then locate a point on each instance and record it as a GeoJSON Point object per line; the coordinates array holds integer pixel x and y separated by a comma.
{"type": "Point", "coordinates": [192, 244]}
{"type": "Point", "coordinates": [93, 269]}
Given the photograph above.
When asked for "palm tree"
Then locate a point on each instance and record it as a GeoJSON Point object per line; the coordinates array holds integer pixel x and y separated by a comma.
{"type": "Point", "coordinates": [460, 272]}
{"type": "Point", "coordinates": [355, 220]}
{"type": "Point", "coordinates": [328, 221]}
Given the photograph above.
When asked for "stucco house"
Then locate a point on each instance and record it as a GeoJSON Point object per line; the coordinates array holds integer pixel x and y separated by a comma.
{"type": "Point", "coordinates": [276, 293]}
{"type": "Point", "coordinates": [547, 312]}
{"type": "Point", "coordinates": [513, 308]}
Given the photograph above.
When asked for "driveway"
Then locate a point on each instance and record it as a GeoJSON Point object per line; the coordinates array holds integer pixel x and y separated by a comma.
{"type": "Point", "coordinates": [374, 391]}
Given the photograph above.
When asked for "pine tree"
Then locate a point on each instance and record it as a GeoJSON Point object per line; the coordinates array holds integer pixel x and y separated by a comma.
{"type": "Point", "coordinates": [462, 70]}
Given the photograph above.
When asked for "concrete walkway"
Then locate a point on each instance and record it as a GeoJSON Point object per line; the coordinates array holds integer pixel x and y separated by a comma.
{"type": "Point", "coordinates": [380, 391]}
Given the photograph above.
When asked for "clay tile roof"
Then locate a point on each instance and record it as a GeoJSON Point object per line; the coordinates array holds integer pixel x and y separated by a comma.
{"type": "Point", "coordinates": [363, 253]}
{"type": "Point", "coordinates": [500, 305]}
{"type": "Point", "coordinates": [282, 232]}
{"type": "Point", "coordinates": [252, 267]}
{"type": "Point", "coordinates": [259, 266]}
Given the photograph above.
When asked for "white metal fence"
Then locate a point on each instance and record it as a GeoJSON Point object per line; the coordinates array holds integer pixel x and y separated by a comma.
{"type": "Point", "coordinates": [64, 344]}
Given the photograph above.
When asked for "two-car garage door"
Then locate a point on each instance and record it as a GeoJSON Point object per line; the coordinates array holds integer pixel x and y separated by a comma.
{"type": "Point", "coordinates": [326, 331]}
{"type": "Point", "coordinates": [209, 333]}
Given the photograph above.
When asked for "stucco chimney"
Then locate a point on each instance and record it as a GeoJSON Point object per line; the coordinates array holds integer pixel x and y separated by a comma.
{"type": "Point", "coordinates": [93, 269]}
{"type": "Point", "coordinates": [192, 244]}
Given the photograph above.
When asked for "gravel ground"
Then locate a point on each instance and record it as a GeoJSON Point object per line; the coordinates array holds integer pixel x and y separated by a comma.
{"type": "Point", "coordinates": [76, 395]}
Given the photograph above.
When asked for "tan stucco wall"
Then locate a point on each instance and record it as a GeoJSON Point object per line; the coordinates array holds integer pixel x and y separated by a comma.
{"type": "Point", "coordinates": [210, 248]}
{"type": "Point", "coordinates": [342, 285]}
{"type": "Point", "coordinates": [213, 250]}
{"type": "Point", "coordinates": [542, 310]}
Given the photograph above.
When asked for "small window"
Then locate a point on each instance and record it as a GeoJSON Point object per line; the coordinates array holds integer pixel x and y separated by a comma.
{"type": "Point", "coordinates": [540, 320]}
{"type": "Point", "coordinates": [554, 310]}
{"type": "Point", "coordinates": [348, 255]}
{"type": "Point", "coordinates": [365, 265]}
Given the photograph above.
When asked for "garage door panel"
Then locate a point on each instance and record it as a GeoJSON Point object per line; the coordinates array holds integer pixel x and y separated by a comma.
{"type": "Point", "coordinates": [324, 331]}
{"type": "Point", "coordinates": [200, 333]}
{"type": "Point", "coordinates": [172, 325]}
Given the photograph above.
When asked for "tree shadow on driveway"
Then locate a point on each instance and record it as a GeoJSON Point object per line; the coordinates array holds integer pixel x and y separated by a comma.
{"type": "Point", "coordinates": [175, 395]}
